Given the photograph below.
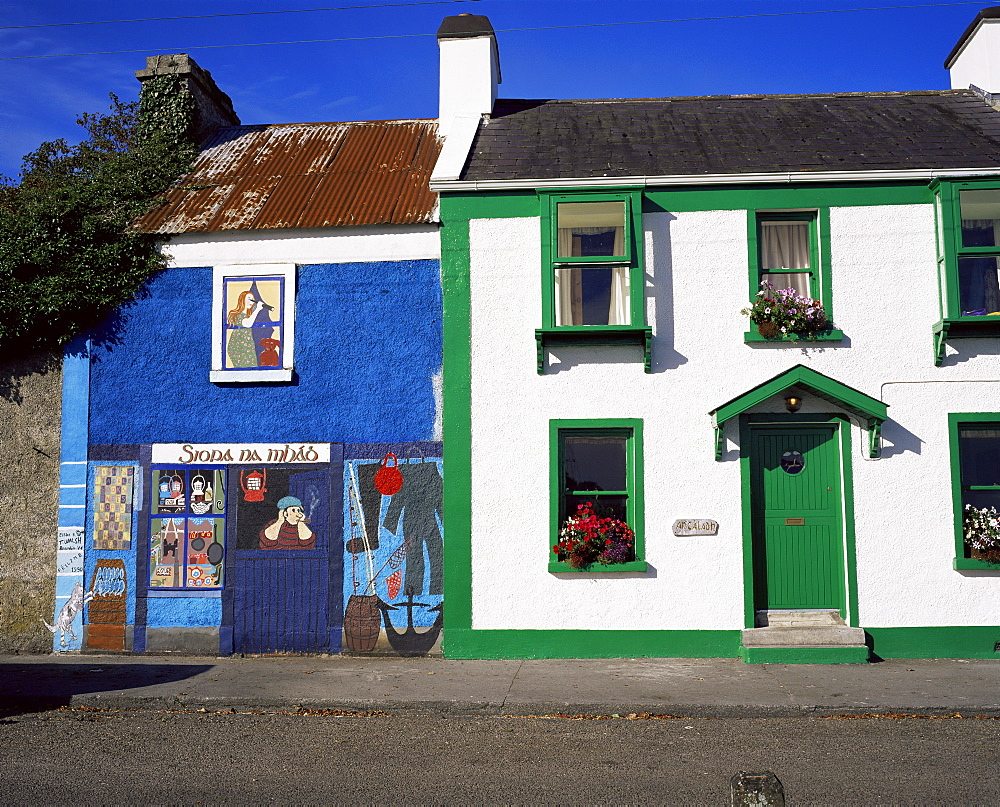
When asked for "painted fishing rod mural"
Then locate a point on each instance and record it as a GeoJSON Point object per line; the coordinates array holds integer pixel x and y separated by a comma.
{"type": "Point", "coordinates": [393, 596]}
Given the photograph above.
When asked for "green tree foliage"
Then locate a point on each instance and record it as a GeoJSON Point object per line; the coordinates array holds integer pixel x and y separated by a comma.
{"type": "Point", "coordinates": [69, 253]}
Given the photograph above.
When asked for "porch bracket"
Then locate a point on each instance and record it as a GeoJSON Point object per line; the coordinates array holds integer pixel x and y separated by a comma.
{"type": "Point", "coordinates": [940, 338]}
{"type": "Point", "coordinates": [720, 442]}
{"type": "Point", "coordinates": [874, 438]}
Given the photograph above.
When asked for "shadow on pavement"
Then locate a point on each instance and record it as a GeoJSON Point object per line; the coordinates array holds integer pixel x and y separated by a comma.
{"type": "Point", "coordinates": [28, 688]}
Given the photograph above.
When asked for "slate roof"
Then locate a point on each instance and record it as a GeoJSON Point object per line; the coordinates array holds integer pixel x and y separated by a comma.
{"type": "Point", "coordinates": [305, 175]}
{"type": "Point", "coordinates": [542, 139]}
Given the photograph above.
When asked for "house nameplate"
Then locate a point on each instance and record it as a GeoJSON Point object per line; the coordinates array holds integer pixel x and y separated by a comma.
{"type": "Point", "coordinates": [696, 526]}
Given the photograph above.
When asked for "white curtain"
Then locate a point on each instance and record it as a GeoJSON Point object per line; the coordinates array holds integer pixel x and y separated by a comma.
{"type": "Point", "coordinates": [618, 312]}
{"type": "Point", "coordinates": [569, 279]}
{"type": "Point", "coordinates": [784, 245]}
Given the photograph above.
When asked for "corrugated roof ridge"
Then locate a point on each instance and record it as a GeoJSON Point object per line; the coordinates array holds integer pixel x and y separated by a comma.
{"type": "Point", "coordinates": [262, 126]}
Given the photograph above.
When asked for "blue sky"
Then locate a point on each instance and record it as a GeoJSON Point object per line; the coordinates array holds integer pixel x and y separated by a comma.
{"type": "Point", "coordinates": [390, 69]}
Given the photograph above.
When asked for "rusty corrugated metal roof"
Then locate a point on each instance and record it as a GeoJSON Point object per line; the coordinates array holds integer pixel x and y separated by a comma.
{"type": "Point", "coordinates": [305, 175]}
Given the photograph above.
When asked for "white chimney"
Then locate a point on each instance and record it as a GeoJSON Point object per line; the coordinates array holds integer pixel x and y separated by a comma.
{"type": "Point", "coordinates": [975, 59]}
{"type": "Point", "coordinates": [470, 70]}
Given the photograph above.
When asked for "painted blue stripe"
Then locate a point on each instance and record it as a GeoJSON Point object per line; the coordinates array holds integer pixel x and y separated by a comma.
{"type": "Point", "coordinates": [72, 497]}
{"type": "Point", "coordinates": [72, 517]}
{"type": "Point", "coordinates": [73, 466]}
{"type": "Point", "coordinates": [73, 473]}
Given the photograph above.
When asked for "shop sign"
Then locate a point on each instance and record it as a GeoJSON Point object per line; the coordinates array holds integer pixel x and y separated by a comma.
{"type": "Point", "coordinates": [239, 453]}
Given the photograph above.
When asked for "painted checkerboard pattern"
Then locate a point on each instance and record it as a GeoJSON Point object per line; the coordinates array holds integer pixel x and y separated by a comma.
{"type": "Point", "coordinates": [113, 487]}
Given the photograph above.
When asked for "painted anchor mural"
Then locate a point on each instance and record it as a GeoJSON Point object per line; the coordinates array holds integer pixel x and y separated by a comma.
{"type": "Point", "coordinates": [393, 543]}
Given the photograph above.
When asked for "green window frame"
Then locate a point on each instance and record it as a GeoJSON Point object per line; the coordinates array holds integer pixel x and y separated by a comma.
{"type": "Point", "coordinates": [563, 499]}
{"type": "Point", "coordinates": [820, 286]}
{"type": "Point", "coordinates": [966, 306]}
{"type": "Point", "coordinates": [964, 478]}
{"type": "Point", "coordinates": [604, 276]}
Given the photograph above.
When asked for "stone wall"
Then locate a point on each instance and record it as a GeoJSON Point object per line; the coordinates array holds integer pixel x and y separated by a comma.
{"type": "Point", "coordinates": [30, 411]}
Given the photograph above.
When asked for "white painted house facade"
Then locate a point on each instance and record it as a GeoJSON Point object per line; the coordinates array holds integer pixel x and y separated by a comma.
{"type": "Point", "coordinates": [596, 256]}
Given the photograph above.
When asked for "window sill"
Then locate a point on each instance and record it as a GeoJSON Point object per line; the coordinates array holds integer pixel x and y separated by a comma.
{"type": "Point", "coordinates": [244, 376]}
{"type": "Point", "coordinates": [962, 327]}
{"type": "Point", "coordinates": [598, 335]}
{"type": "Point", "coordinates": [834, 335]}
{"type": "Point", "coordinates": [561, 567]}
{"type": "Point", "coordinates": [184, 592]}
{"type": "Point", "coordinates": [974, 563]}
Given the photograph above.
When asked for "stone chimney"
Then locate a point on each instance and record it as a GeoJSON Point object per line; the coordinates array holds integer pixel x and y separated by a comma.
{"type": "Point", "coordinates": [470, 69]}
{"type": "Point", "coordinates": [213, 108]}
{"type": "Point", "coordinates": [975, 59]}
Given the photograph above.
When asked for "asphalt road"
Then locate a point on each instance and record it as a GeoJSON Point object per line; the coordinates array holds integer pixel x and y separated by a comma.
{"type": "Point", "coordinates": [105, 757]}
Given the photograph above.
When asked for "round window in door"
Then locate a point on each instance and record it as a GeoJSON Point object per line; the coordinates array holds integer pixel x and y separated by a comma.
{"type": "Point", "coordinates": [792, 462]}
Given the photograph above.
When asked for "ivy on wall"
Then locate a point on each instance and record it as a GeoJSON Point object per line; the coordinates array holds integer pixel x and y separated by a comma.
{"type": "Point", "coordinates": [68, 253]}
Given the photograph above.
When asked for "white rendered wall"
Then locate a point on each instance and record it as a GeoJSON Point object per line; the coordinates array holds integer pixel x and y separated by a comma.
{"type": "Point", "coordinates": [885, 301]}
{"type": "Point", "coordinates": [979, 61]}
{"type": "Point", "coordinates": [326, 245]}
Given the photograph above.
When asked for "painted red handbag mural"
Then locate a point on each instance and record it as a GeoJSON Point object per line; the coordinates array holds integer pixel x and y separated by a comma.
{"type": "Point", "coordinates": [388, 479]}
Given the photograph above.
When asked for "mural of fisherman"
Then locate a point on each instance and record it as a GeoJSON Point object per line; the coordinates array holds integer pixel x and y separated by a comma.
{"type": "Point", "coordinates": [289, 530]}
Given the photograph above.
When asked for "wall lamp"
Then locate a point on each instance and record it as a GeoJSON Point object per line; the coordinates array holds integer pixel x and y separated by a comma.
{"type": "Point", "coordinates": [792, 403]}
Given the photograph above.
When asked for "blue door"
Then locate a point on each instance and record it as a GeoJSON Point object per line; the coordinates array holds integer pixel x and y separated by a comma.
{"type": "Point", "coordinates": [281, 563]}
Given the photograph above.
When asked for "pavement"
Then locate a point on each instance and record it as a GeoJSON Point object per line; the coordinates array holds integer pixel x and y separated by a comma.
{"type": "Point", "coordinates": [438, 686]}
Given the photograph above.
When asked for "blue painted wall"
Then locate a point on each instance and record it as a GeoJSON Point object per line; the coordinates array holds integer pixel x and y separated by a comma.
{"type": "Point", "coordinates": [367, 342]}
{"type": "Point", "coordinates": [183, 612]}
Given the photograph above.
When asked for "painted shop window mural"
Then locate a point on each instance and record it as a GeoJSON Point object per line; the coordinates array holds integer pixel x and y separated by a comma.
{"type": "Point", "coordinates": [187, 528]}
{"type": "Point", "coordinates": [113, 487]}
{"type": "Point", "coordinates": [280, 508]}
{"type": "Point", "coordinates": [393, 552]}
{"type": "Point", "coordinates": [253, 323]}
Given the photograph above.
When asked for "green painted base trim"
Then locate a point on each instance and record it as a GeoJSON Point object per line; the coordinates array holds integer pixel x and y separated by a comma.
{"type": "Point", "coordinates": [503, 644]}
{"type": "Point", "coordinates": [804, 655]}
{"type": "Point", "coordinates": [961, 641]}
{"type": "Point", "coordinates": [975, 563]}
{"type": "Point", "coordinates": [825, 336]}
{"type": "Point", "coordinates": [560, 567]}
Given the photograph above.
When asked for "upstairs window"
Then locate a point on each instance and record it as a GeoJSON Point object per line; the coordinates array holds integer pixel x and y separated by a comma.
{"type": "Point", "coordinates": [968, 238]}
{"type": "Point", "coordinates": [790, 250]}
{"type": "Point", "coordinates": [591, 273]}
{"type": "Point", "coordinates": [592, 278]}
{"type": "Point", "coordinates": [788, 253]}
{"type": "Point", "coordinates": [595, 289]}
{"type": "Point", "coordinates": [979, 252]}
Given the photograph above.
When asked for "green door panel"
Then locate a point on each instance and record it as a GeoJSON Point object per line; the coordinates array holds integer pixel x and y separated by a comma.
{"type": "Point", "coordinates": [796, 516]}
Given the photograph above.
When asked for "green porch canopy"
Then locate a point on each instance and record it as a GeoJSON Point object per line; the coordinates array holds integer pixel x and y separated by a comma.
{"type": "Point", "coordinates": [873, 411]}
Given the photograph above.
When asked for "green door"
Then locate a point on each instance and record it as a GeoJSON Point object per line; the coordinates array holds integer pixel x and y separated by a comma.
{"type": "Point", "coordinates": [798, 548]}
